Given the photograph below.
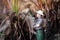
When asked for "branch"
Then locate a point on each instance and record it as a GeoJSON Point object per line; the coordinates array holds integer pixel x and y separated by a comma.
{"type": "Point", "coordinates": [6, 25]}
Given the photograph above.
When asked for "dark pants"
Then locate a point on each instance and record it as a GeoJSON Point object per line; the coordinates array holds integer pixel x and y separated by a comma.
{"type": "Point", "coordinates": [49, 32]}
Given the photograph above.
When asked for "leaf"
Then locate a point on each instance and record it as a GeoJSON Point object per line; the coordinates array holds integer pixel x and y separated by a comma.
{"type": "Point", "coordinates": [15, 6]}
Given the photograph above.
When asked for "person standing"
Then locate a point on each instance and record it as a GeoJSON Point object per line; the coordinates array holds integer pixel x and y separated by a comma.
{"type": "Point", "coordinates": [37, 24]}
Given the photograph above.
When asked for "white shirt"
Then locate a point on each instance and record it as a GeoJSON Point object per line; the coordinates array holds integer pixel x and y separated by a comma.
{"type": "Point", "coordinates": [37, 22]}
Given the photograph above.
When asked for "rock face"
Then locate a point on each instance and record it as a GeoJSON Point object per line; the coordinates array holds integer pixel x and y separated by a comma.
{"type": "Point", "coordinates": [26, 4]}
{"type": "Point", "coordinates": [1, 6]}
{"type": "Point", "coordinates": [22, 4]}
{"type": "Point", "coordinates": [2, 16]}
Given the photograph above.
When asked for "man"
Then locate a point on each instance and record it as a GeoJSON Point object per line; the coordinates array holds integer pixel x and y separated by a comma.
{"type": "Point", "coordinates": [37, 25]}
